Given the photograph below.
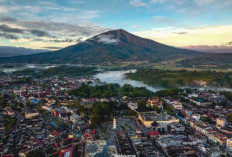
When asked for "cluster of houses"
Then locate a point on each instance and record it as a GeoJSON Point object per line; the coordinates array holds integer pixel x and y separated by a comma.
{"type": "Point", "coordinates": [40, 117]}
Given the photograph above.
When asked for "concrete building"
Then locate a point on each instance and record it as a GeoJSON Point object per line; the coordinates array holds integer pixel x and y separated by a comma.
{"type": "Point", "coordinates": [177, 106]}
{"type": "Point", "coordinates": [147, 118]}
{"type": "Point", "coordinates": [221, 122]}
{"type": "Point", "coordinates": [31, 115]}
{"type": "Point", "coordinates": [132, 106]}
{"type": "Point", "coordinates": [75, 118]}
{"type": "Point", "coordinates": [229, 144]}
{"type": "Point", "coordinates": [201, 102]}
{"type": "Point", "coordinates": [196, 117]}
{"type": "Point", "coordinates": [100, 148]}
{"type": "Point", "coordinates": [155, 102]}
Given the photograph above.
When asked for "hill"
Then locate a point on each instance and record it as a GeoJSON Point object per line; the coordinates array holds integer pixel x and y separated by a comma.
{"type": "Point", "coordinates": [9, 51]}
{"type": "Point", "coordinates": [108, 48]}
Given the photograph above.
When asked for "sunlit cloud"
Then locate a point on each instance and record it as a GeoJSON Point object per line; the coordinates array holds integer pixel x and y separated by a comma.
{"type": "Point", "coordinates": [205, 35]}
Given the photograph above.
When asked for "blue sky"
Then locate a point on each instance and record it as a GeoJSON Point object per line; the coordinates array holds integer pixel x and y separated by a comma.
{"type": "Point", "coordinates": [58, 23]}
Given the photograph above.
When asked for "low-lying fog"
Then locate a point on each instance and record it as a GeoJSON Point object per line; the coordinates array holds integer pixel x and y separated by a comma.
{"type": "Point", "coordinates": [27, 66]}
{"type": "Point", "coordinates": [119, 78]}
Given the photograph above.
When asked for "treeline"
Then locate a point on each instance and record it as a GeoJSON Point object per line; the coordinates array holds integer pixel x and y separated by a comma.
{"type": "Point", "coordinates": [62, 71]}
{"type": "Point", "coordinates": [173, 79]}
{"type": "Point", "coordinates": [110, 90]}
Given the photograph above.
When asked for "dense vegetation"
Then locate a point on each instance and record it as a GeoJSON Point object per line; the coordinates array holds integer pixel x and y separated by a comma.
{"type": "Point", "coordinates": [218, 60]}
{"type": "Point", "coordinates": [110, 90]}
{"type": "Point", "coordinates": [9, 122]}
{"type": "Point", "coordinates": [230, 118]}
{"type": "Point", "coordinates": [62, 71]}
{"type": "Point", "coordinates": [227, 94]}
{"type": "Point", "coordinates": [172, 79]}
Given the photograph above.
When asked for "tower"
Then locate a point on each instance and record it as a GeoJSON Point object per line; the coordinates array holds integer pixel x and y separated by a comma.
{"type": "Point", "coordinates": [114, 123]}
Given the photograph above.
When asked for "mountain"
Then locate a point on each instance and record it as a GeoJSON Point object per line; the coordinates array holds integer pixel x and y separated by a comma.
{"type": "Point", "coordinates": [210, 49]}
{"type": "Point", "coordinates": [110, 47]}
{"type": "Point", "coordinates": [9, 51]}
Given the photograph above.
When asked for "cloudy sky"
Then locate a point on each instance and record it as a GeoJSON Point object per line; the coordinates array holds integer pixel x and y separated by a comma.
{"type": "Point", "coordinates": [53, 24]}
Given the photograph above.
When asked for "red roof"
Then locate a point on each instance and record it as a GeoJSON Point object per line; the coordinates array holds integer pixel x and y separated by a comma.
{"type": "Point", "coordinates": [55, 133]}
{"type": "Point", "coordinates": [92, 132]}
{"type": "Point", "coordinates": [154, 133]}
{"type": "Point", "coordinates": [9, 155]}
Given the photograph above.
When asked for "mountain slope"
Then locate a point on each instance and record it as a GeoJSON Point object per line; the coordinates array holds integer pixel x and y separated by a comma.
{"type": "Point", "coordinates": [109, 47]}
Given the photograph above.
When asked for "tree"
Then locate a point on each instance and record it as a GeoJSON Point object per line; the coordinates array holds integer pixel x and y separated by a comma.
{"type": "Point", "coordinates": [101, 112]}
{"type": "Point", "coordinates": [142, 104]}
{"type": "Point", "coordinates": [156, 108]}
{"type": "Point", "coordinates": [169, 109]}
{"type": "Point", "coordinates": [230, 118]}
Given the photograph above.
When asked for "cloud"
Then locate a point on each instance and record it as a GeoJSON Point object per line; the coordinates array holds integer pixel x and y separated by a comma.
{"type": "Point", "coordinates": [203, 35]}
{"type": "Point", "coordinates": [9, 36]}
{"type": "Point", "coordinates": [161, 20]}
{"type": "Point", "coordinates": [201, 2]}
{"type": "Point", "coordinates": [181, 32]}
{"type": "Point", "coordinates": [39, 33]}
{"type": "Point", "coordinates": [8, 19]}
{"type": "Point", "coordinates": [60, 40]}
{"type": "Point", "coordinates": [138, 3]}
{"type": "Point", "coordinates": [8, 29]}
{"type": "Point", "coordinates": [159, 1]}
{"type": "Point", "coordinates": [211, 49]}
{"type": "Point", "coordinates": [106, 39]}
{"type": "Point", "coordinates": [134, 26]}
{"type": "Point", "coordinates": [3, 10]}
{"type": "Point", "coordinates": [52, 48]}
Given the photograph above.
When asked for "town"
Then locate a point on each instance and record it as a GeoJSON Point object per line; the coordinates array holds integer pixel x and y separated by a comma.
{"type": "Point", "coordinates": [41, 117]}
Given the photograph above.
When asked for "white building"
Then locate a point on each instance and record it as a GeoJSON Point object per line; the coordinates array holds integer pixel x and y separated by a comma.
{"type": "Point", "coordinates": [197, 117]}
{"type": "Point", "coordinates": [132, 106]}
{"type": "Point", "coordinates": [177, 105]}
{"type": "Point", "coordinates": [221, 122]}
{"type": "Point", "coordinates": [229, 144]}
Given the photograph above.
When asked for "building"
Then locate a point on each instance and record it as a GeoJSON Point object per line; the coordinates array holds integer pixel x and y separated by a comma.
{"type": "Point", "coordinates": [148, 118]}
{"type": "Point", "coordinates": [100, 148]}
{"type": "Point", "coordinates": [201, 102]}
{"type": "Point", "coordinates": [213, 152]}
{"type": "Point", "coordinates": [196, 117]}
{"type": "Point", "coordinates": [75, 118]}
{"type": "Point", "coordinates": [174, 140]}
{"type": "Point", "coordinates": [155, 102]}
{"type": "Point", "coordinates": [177, 105]}
{"type": "Point", "coordinates": [229, 144]}
{"type": "Point", "coordinates": [31, 115]}
{"type": "Point", "coordinates": [221, 122]}
{"type": "Point", "coordinates": [218, 138]}
{"type": "Point", "coordinates": [114, 124]}
{"type": "Point", "coordinates": [132, 106]}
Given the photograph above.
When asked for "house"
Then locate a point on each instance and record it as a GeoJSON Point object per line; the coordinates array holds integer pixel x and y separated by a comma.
{"type": "Point", "coordinates": [218, 138]}
{"type": "Point", "coordinates": [213, 152]}
{"type": "Point", "coordinates": [149, 119]}
{"type": "Point", "coordinates": [132, 106]}
{"type": "Point", "coordinates": [154, 134]}
{"type": "Point", "coordinates": [155, 102]}
{"type": "Point", "coordinates": [229, 144]}
{"type": "Point", "coordinates": [177, 105]}
{"type": "Point", "coordinates": [30, 115]}
{"type": "Point", "coordinates": [75, 118]}
{"type": "Point", "coordinates": [9, 111]}
{"type": "Point", "coordinates": [221, 122]}
{"type": "Point", "coordinates": [201, 102]}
